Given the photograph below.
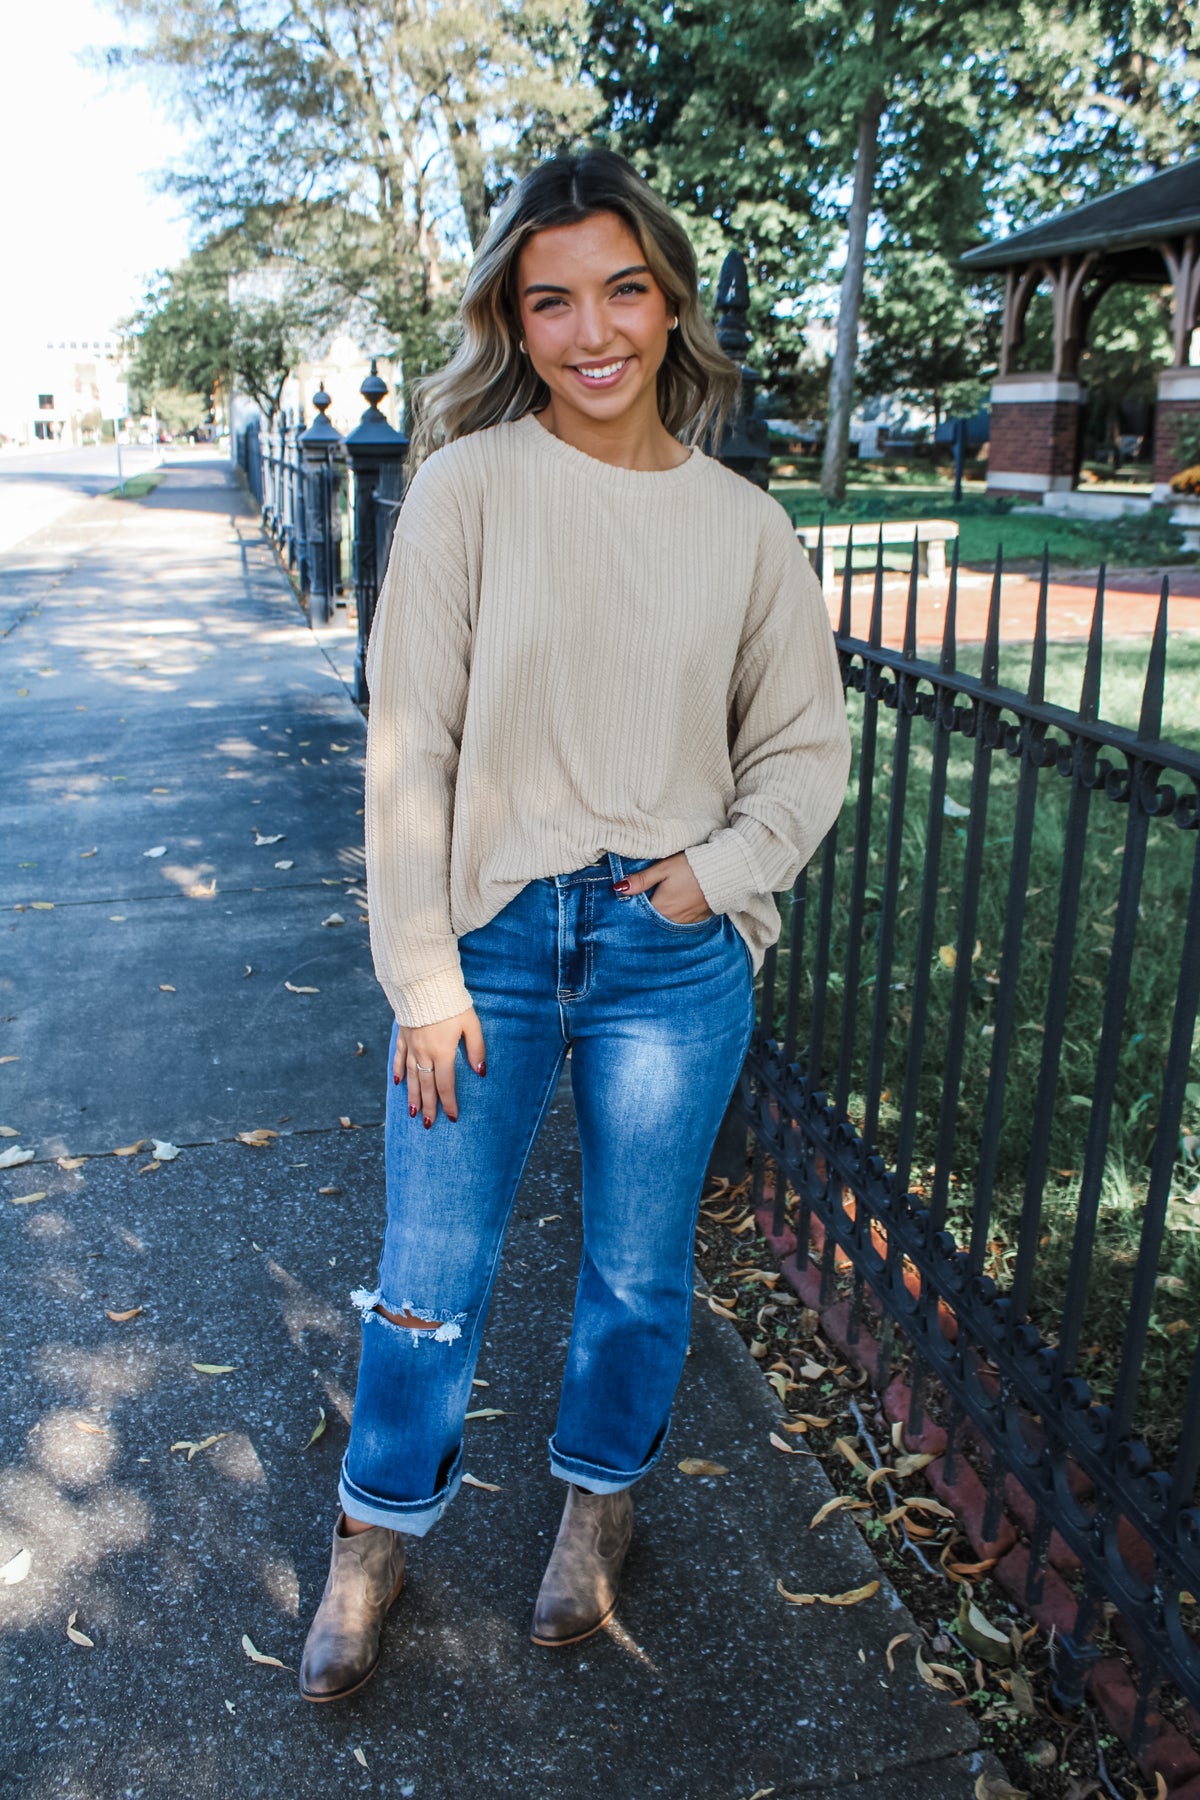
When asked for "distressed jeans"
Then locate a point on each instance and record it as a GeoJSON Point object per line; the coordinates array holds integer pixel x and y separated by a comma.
{"type": "Point", "coordinates": [658, 1018]}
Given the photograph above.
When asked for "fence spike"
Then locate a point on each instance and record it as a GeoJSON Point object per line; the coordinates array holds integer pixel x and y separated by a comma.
{"type": "Point", "coordinates": [1037, 666]}
{"type": "Point", "coordinates": [875, 630]}
{"type": "Point", "coordinates": [1150, 722]}
{"type": "Point", "coordinates": [1089, 698]}
{"type": "Point", "coordinates": [947, 664]}
{"type": "Point", "coordinates": [844, 620]}
{"type": "Point", "coordinates": [819, 564]}
{"type": "Point", "coordinates": [989, 674]}
{"type": "Point", "coordinates": [910, 611]}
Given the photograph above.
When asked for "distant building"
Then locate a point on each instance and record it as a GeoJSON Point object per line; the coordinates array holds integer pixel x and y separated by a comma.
{"type": "Point", "coordinates": [63, 391]}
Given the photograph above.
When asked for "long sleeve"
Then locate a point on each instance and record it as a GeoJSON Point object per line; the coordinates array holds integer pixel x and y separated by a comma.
{"type": "Point", "coordinates": [417, 669]}
{"type": "Point", "coordinates": [789, 739]}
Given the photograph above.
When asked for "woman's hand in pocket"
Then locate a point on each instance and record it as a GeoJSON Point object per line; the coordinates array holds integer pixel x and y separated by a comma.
{"type": "Point", "coordinates": [425, 1056]}
{"type": "Point", "coordinates": [672, 889]}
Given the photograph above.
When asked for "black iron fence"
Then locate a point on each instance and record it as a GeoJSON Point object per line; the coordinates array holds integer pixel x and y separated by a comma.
{"type": "Point", "coordinates": [299, 477]}
{"type": "Point", "coordinates": [975, 1047]}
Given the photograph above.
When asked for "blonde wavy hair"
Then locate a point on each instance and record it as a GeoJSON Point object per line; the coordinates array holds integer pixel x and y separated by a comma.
{"type": "Point", "coordinates": [487, 380]}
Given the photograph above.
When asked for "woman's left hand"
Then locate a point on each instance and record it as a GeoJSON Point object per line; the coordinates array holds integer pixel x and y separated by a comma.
{"type": "Point", "coordinates": [676, 893]}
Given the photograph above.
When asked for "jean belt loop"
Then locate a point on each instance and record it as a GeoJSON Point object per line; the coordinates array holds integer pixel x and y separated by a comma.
{"type": "Point", "coordinates": [615, 866]}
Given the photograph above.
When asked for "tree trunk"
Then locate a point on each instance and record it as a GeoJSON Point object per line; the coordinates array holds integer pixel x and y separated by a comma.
{"type": "Point", "coordinates": [841, 379]}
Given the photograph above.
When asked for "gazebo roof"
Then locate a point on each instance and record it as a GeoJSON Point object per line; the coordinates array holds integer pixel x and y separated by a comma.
{"type": "Point", "coordinates": [1142, 214]}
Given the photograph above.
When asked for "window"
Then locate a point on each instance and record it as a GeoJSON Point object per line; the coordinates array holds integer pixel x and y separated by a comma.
{"type": "Point", "coordinates": [45, 402]}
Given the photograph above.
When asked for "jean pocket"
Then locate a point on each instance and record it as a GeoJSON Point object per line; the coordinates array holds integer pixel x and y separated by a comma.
{"type": "Point", "coordinates": [675, 924]}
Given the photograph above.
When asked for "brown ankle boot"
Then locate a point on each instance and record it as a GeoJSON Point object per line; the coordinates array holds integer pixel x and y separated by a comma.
{"type": "Point", "coordinates": [341, 1652]}
{"type": "Point", "coordinates": [579, 1589]}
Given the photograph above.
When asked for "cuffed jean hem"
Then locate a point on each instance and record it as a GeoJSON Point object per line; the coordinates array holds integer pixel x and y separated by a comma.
{"type": "Point", "coordinates": [595, 1479]}
{"type": "Point", "coordinates": [413, 1517]}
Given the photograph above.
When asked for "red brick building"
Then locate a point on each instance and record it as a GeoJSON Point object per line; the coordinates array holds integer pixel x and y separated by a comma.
{"type": "Point", "coordinates": [1148, 232]}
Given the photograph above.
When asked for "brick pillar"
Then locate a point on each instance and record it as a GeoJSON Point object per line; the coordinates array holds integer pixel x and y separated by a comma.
{"type": "Point", "coordinates": [1035, 426]}
{"type": "Point", "coordinates": [1178, 398]}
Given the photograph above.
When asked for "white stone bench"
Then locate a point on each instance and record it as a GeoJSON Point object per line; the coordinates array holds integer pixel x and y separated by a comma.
{"type": "Point", "coordinates": [932, 536]}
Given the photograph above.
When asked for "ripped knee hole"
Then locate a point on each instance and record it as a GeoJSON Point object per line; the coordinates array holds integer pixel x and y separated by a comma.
{"type": "Point", "coordinates": [408, 1320]}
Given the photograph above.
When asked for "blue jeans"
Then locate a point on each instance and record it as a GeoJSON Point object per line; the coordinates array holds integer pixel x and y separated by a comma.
{"type": "Point", "coordinates": [658, 1018]}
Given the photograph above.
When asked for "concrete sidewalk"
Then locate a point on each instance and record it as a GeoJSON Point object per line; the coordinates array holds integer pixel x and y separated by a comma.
{"type": "Point", "coordinates": [176, 698]}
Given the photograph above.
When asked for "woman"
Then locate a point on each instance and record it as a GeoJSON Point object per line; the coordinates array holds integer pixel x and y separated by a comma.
{"type": "Point", "coordinates": [606, 727]}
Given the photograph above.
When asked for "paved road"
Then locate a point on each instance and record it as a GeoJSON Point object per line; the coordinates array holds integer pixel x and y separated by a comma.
{"type": "Point", "coordinates": [179, 821]}
{"type": "Point", "coordinates": [38, 487]}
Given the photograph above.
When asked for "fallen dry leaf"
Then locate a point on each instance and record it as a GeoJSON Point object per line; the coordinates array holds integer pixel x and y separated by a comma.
{"type": "Point", "coordinates": [214, 1368]}
{"type": "Point", "coordinates": [360, 1049]}
{"type": "Point", "coordinates": [164, 1151]}
{"type": "Point", "coordinates": [131, 1149]}
{"type": "Point", "coordinates": [257, 1139]}
{"type": "Point", "coordinates": [894, 1644]}
{"type": "Point", "coordinates": [359, 1757]}
{"type": "Point", "coordinates": [70, 1162]}
{"type": "Point", "coordinates": [256, 1656]}
{"type": "Point", "coordinates": [164, 987]}
{"type": "Point", "coordinates": [121, 1318]}
{"type": "Point", "coordinates": [261, 838]}
{"type": "Point", "coordinates": [778, 1443]}
{"type": "Point", "coordinates": [794, 1425]}
{"type": "Point", "coordinates": [329, 1190]}
{"type": "Point", "coordinates": [489, 1487]}
{"type": "Point", "coordinates": [85, 853]}
{"type": "Point", "coordinates": [16, 1569]}
{"type": "Point", "coordinates": [849, 1452]}
{"type": "Point", "coordinates": [852, 1596]}
{"type": "Point", "coordinates": [489, 1412]}
{"type": "Point", "coordinates": [334, 919]}
{"type": "Point", "coordinates": [14, 1157]}
{"type": "Point", "coordinates": [42, 905]}
{"type": "Point", "coordinates": [698, 1465]}
{"type": "Point", "coordinates": [816, 1423]}
{"type": "Point", "coordinates": [27, 1199]}
{"type": "Point", "coordinates": [318, 1429]}
{"type": "Point", "coordinates": [998, 1787]}
{"type": "Point", "coordinates": [300, 990]}
{"type": "Point", "coordinates": [980, 1637]}
{"type": "Point", "coordinates": [285, 863]}
{"type": "Point", "coordinates": [839, 1503]}
{"type": "Point", "coordinates": [344, 1119]}
{"type": "Point", "coordinates": [194, 1449]}
{"type": "Point", "coordinates": [4, 1059]}
{"type": "Point", "coordinates": [908, 1465]}
{"type": "Point", "coordinates": [149, 1168]}
{"type": "Point", "coordinates": [722, 1312]}
{"type": "Point", "coordinates": [158, 850]}
{"type": "Point", "coordinates": [9, 1131]}
{"type": "Point", "coordinates": [86, 1425]}
{"type": "Point", "coordinates": [78, 1637]}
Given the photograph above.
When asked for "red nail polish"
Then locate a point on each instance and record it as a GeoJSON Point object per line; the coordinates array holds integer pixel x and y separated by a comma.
{"type": "Point", "coordinates": [395, 1081]}
{"type": "Point", "coordinates": [453, 1118]}
{"type": "Point", "coordinates": [481, 1068]}
{"type": "Point", "coordinates": [428, 1123]}
{"type": "Point", "coordinates": [622, 887]}
{"type": "Point", "coordinates": [412, 1112]}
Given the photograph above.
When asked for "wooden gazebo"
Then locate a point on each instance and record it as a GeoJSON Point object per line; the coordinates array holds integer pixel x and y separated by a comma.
{"type": "Point", "coordinates": [1148, 232]}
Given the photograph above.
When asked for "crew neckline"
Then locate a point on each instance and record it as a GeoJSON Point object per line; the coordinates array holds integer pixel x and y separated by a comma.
{"type": "Point", "coordinates": [599, 470]}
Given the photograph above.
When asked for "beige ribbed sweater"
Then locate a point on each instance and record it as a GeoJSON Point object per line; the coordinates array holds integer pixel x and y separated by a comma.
{"type": "Point", "coordinates": [568, 658]}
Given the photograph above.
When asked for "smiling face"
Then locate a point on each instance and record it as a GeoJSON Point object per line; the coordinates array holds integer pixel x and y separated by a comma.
{"type": "Point", "coordinates": [595, 322]}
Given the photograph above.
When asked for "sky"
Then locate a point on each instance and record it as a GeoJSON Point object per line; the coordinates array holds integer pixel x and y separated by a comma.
{"type": "Point", "coordinates": [84, 228]}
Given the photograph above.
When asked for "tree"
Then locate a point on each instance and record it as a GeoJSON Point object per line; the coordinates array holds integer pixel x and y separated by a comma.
{"type": "Point", "coordinates": [214, 319]}
{"type": "Point", "coordinates": [366, 141]}
{"type": "Point", "coordinates": [926, 333]}
{"type": "Point", "coordinates": [900, 128]}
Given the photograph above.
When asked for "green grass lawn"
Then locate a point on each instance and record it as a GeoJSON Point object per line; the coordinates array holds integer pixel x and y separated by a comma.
{"type": "Point", "coordinates": [988, 525]}
{"type": "Point", "coordinates": [1143, 1039]}
{"type": "Point", "coordinates": [138, 486]}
